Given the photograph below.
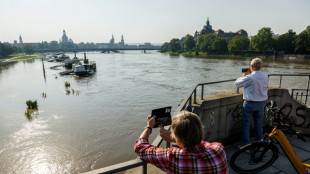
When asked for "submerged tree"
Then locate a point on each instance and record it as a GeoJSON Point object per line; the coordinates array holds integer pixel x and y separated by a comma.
{"type": "Point", "coordinates": [32, 106]}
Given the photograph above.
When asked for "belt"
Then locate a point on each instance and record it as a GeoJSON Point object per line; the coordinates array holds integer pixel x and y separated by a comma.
{"type": "Point", "coordinates": [254, 101]}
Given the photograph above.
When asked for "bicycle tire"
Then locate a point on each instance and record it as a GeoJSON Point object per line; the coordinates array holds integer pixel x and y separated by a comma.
{"type": "Point", "coordinates": [254, 157]}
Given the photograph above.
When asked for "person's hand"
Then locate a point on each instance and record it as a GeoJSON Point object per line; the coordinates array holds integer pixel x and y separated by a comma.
{"type": "Point", "coordinates": [150, 121]}
{"type": "Point", "coordinates": [166, 134]}
{"type": "Point", "coordinates": [248, 72]}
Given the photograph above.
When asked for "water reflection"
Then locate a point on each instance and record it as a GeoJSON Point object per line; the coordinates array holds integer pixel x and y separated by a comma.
{"type": "Point", "coordinates": [6, 65]}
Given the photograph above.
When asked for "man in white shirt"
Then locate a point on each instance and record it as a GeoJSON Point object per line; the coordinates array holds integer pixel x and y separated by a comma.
{"type": "Point", "coordinates": [255, 85]}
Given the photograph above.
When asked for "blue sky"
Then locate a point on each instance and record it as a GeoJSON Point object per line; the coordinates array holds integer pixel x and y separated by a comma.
{"type": "Point", "coordinates": [154, 21]}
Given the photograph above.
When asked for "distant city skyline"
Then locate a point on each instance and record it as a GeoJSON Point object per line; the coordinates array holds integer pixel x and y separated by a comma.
{"type": "Point", "coordinates": [144, 21]}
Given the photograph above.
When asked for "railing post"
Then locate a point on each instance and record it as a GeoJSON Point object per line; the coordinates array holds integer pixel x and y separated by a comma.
{"type": "Point", "coordinates": [202, 86]}
{"type": "Point", "coordinates": [195, 96]}
{"type": "Point", "coordinates": [280, 81]}
{"type": "Point", "coordinates": [144, 168]}
{"type": "Point", "coordinates": [190, 101]}
{"type": "Point", "coordinates": [307, 90]}
{"type": "Point", "coordinates": [292, 93]}
{"type": "Point", "coordinates": [237, 90]}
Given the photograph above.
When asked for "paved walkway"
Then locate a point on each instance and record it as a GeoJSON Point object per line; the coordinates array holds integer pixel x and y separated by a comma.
{"type": "Point", "coordinates": [281, 166]}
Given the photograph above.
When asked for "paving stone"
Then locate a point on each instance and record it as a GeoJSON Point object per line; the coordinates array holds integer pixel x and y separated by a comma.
{"type": "Point", "coordinates": [283, 164]}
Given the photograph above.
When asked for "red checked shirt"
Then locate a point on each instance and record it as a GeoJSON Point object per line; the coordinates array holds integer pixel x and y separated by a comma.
{"type": "Point", "coordinates": [203, 158]}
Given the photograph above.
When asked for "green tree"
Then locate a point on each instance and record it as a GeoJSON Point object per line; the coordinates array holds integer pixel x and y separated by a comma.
{"type": "Point", "coordinates": [17, 49]}
{"type": "Point", "coordinates": [263, 41]}
{"type": "Point", "coordinates": [198, 43]}
{"type": "Point", "coordinates": [54, 45]}
{"type": "Point", "coordinates": [286, 42]}
{"type": "Point", "coordinates": [238, 44]}
{"type": "Point", "coordinates": [42, 45]}
{"type": "Point", "coordinates": [205, 43]}
{"type": "Point", "coordinates": [164, 47]}
{"type": "Point", "coordinates": [303, 42]}
{"type": "Point", "coordinates": [175, 45]}
{"type": "Point", "coordinates": [28, 49]}
{"type": "Point", "coordinates": [219, 45]}
{"type": "Point", "coordinates": [189, 43]}
{"type": "Point", "coordinates": [6, 49]}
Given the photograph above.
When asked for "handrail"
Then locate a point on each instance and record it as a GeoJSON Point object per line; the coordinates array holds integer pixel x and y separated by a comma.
{"type": "Point", "coordinates": [298, 75]}
{"type": "Point", "coordinates": [158, 140]}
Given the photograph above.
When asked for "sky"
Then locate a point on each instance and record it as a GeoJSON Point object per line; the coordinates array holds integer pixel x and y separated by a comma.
{"type": "Point", "coordinates": [139, 21]}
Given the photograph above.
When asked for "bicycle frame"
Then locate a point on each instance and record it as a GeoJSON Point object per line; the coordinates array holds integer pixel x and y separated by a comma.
{"type": "Point", "coordinates": [299, 166]}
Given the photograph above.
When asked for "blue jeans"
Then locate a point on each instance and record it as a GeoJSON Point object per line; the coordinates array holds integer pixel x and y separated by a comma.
{"type": "Point", "coordinates": [257, 111]}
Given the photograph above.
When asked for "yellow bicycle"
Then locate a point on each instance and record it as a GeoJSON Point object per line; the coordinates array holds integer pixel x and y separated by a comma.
{"type": "Point", "coordinates": [258, 156]}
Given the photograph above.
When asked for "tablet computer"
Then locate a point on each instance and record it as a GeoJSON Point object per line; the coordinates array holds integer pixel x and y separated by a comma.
{"type": "Point", "coordinates": [163, 116]}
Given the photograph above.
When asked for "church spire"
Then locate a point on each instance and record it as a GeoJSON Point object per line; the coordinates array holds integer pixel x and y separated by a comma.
{"type": "Point", "coordinates": [208, 23]}
{"type": "Point", "coordinates": [20, 39]}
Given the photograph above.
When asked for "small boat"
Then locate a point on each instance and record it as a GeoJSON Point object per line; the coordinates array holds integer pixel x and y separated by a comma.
{"type": "Point", "coordinates": [62, 58]}
{"type": "Point", "coordinates": [85, 69]}
{"type": "Point", "coordinates": [51, 58]}
{"type": "Point", "coordinates": [70, 62]}
{"type": "Point", "coordinates": [68, 72]}
{"type": "Point", "coordinates": [55, 67]}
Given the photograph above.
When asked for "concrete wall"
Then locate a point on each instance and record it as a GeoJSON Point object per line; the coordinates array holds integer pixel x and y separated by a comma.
{"type": "Point", "coordinates": [221, 114]}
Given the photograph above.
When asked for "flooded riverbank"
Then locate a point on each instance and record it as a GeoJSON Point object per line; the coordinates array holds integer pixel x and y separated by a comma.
{"type": "Point", "coordinates": [77, 133]}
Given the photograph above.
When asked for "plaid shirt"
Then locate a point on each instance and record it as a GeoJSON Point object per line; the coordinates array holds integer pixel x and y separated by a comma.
{"type": "Point", "coordinates": [203, 158]}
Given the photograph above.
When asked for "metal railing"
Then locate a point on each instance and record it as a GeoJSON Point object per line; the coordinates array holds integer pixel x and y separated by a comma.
{"type": "Point", "coordinates": [304, 92]}
{"type": "Point", "coordinates": [189, 99]}
{"type": "Point", "coordinates": [300, 95]}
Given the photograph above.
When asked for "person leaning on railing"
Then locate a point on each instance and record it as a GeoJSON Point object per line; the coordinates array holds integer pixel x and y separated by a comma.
{"type": "Point", "coordinates": [193, 154]}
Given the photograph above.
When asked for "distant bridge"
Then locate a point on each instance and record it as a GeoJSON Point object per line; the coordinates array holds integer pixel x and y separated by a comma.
{"type": "Point", "coordinates": [108, 50]}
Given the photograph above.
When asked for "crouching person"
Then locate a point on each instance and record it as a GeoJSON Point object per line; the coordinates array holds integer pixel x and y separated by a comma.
{"type": "Point", "coordinates": [193, 154]}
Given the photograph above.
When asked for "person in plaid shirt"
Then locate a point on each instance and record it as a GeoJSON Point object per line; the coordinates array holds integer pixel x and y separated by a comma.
{"type": "Point", "coordinates": [193, 155]}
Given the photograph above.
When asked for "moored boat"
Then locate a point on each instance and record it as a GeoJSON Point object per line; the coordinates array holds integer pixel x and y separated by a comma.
{"type": "Point", "coordinates": [70, 62]}
{"type": "Point", "coordinates": [85, 69]}
{"type": "Point", "coordinates": [62, 57]}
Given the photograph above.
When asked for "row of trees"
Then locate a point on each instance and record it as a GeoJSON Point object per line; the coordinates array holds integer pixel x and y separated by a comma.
{"type": "Point", "coordinates": [263, 42]}
{"type": "Point", "coordinates": [54, 45]}
{"type": "Point", "coordinates": [6, 49]}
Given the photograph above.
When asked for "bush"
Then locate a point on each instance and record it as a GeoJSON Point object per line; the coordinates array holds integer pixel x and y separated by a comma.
{"type": "Point", "coordinates": [32, 104]}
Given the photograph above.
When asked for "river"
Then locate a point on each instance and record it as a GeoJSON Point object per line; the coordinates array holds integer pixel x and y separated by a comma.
{"type": "Point", "coordinates": [98, 122]}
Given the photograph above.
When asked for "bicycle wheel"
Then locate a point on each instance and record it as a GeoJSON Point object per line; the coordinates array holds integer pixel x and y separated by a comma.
{"type": "Point", "coordinates": [254, 157]}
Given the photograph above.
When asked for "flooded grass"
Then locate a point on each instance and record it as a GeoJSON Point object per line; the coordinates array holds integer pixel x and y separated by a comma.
{"type": "Point", "coordinates": [44, 95]}
{"type": "Point", "coordinates": [32, 108]}
{"type": "Point", "coordinates": [67, 84]}
{"type": "Point", "coordinates": [17, 57]}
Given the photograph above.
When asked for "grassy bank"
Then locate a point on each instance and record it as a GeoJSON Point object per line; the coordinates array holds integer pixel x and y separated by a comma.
{"type": "Point", "coordinates": [17, 57]}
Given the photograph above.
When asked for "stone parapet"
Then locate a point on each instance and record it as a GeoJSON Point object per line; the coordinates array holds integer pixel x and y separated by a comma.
{"type": "Point", "coordinates": [220, 113]}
